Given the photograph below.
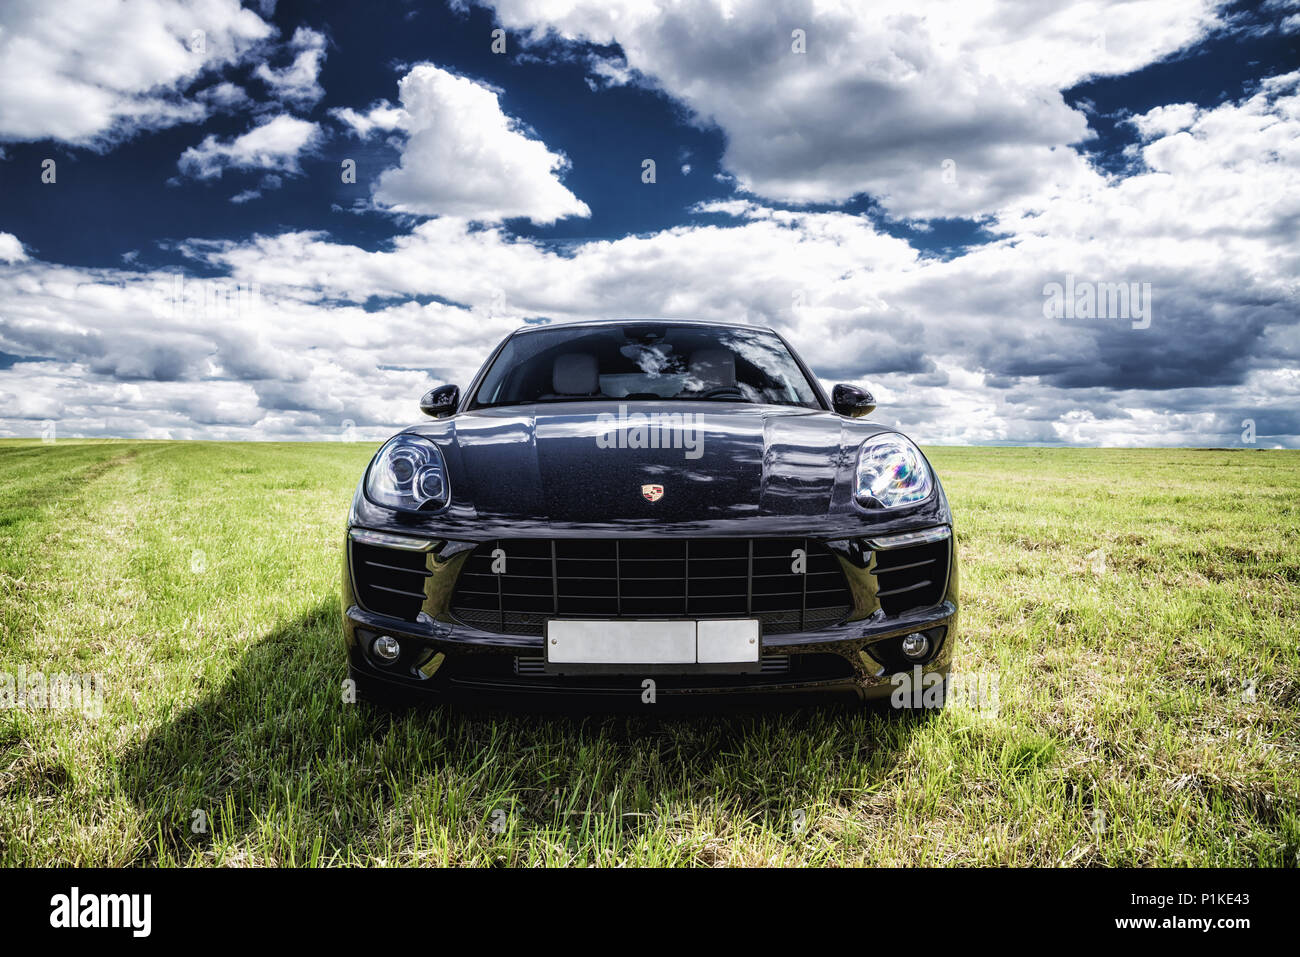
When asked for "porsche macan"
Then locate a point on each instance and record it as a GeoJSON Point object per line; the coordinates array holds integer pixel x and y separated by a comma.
{"type": "Point", "coordinates": [623, 504]}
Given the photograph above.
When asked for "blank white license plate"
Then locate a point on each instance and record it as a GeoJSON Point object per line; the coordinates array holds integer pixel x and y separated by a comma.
{"type": "Point", "coordinates": [588, 642]}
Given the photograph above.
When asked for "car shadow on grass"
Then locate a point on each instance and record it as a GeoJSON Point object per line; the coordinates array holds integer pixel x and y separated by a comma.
{"type": "Point", "coordinates": [274, 767]}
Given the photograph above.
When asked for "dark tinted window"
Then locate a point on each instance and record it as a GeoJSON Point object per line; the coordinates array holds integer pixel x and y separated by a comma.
{"type": "Point", "coordinates": [645, 361]}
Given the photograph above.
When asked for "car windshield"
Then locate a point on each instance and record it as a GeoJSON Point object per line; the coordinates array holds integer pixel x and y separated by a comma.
{"type": "Point", "coordinates": [658, 361]}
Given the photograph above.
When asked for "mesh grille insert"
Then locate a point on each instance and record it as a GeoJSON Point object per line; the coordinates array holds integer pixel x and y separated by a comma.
{"type": "Point", "coordinates": [650, 578]}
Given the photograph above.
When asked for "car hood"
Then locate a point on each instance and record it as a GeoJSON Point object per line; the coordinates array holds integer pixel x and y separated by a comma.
{"type": "Point", "coordinates": [723, 468]}
{"type": "Point", "coordinates": [586, 462]}
{"type": "Point", "coordinates": [578, 468]}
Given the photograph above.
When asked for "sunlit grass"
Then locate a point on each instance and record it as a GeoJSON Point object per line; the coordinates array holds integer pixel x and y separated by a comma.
{"type": "Point", "coordinates": [1136, 610]}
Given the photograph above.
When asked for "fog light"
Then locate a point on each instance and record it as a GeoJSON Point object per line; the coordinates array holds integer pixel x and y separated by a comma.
{"type": "Point", "coordinates": [386, 648]}
{"type": "Point", "coordinates": [916, 646]}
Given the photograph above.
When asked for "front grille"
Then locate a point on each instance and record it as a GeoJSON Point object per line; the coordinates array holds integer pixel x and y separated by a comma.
{"type": "Point", "coordinates": [911, 577]}
{"type": "Point", "coordinates": [389, 581]}
{"type": "Point", "coordinates": [650, 578]}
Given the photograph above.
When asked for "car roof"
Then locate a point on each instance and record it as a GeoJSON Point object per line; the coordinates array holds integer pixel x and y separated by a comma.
{"type": "Point", "coordinates": [579, 323]}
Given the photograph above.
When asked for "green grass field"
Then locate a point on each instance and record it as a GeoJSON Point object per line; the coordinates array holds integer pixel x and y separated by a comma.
{"type": "Point", "coordinates": [1137, 613]}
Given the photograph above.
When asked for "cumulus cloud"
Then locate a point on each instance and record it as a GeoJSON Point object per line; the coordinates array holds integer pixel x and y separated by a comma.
{"type": "Point", "coordinates": [462, 156]}
{"type": "Point", "coordinates": [158, 354]}
{"type": "Point", "coordinates": [224, 96]}
{"type": "Point", "coordinates": [933, 108]}
{"type": "Point", "coordinates": [298, 82]}
{"type": "Point", "coordinates": [90, 73]}
{"type": "Point", "coordinates": [274, 144]}
{"type": "Point", "coordinates": [957, 350]}
{"type": "Point", "coordinates": [382, 117]}
{"type": "Point", "coordinates": [304, 332]}
{"type": "Point", "coordinates": [11, 250]}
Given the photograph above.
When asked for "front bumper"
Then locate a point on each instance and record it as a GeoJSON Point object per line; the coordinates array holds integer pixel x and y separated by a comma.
{"type": "Point", "coordinates": [443, 655]}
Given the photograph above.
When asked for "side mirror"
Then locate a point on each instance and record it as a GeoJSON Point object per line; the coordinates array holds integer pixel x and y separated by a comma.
{"type": "Point", "coordinates": [440, 402]}
{"type": "Point", "coordinates": [851, 401]}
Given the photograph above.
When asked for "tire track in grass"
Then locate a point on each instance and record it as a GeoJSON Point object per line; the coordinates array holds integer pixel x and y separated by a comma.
{"type": "Point", "coordinates": [65, 614]}
{"type": "Point", "coordinates": [45, 538]}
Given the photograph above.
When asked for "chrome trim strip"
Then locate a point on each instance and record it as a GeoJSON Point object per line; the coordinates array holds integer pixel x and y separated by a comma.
{"type": "Point", "coordinates": [389, 540]}
{"type": "Point", "coordinates": [922, 537]}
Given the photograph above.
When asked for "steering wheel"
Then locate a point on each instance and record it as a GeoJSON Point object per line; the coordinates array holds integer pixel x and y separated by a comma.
{"type": "Point", "coordinates": [723, 390]}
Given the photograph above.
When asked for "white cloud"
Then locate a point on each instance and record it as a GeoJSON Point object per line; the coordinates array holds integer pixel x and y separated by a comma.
{"type": "Point", "coordinates": [154, 355]}
{"type": "Point", "coordinates": [462, 156]}
{"type": "Point", "coordinates": [956, 350]}
{"type": "Point", "coordinates": [224, 95]}
{"type": "Point", "coordinates": [89, 73]}
{"type": "Point", "coordinates": [11, 250]}
{"type": "Point", "coordinates": [275, 144]}
{"type": "Point", "coordinates": [886, 99]}
{"type": "Point", "coordinates": [381, 117]}
{"type": "Point", "coordinates": [298, 82]}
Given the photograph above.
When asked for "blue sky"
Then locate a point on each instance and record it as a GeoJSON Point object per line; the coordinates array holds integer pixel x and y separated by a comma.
{"type": "Point", "coordinates": [898, 197]}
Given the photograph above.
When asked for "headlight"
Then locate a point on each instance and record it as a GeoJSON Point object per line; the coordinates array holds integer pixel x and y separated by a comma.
{"type": "Point", "coordinates": [409, 473]}
{"type": "Point", "coordinates": [891, 473]}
